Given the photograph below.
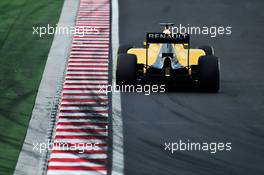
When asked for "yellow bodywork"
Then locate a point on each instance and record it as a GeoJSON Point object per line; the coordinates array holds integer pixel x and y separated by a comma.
{"type": "Point", "coordinates": [154, 50]}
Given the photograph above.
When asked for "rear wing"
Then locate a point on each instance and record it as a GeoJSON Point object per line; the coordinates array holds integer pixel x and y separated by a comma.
{"type": "Point", "coordinates": [170, 39]}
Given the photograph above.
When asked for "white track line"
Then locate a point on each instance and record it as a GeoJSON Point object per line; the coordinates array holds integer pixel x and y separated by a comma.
{"type": "Point", "coordinates": [117, 123]}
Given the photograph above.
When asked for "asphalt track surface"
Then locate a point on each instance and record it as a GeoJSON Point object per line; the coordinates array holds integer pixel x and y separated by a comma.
{"type": "Point", "coordinates": [234, 115]}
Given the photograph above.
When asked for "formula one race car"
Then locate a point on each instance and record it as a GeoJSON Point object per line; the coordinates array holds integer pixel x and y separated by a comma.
{"type": "Point", "coordinates": [167, 58]}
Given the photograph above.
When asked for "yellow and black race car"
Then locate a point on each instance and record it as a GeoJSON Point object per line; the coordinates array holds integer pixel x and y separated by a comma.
{"type": "Point", "coordinates": [167, 58]}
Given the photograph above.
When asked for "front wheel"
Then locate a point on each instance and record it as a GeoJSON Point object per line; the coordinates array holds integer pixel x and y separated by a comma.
{"type": "Point", "coordinates": [209, 73]}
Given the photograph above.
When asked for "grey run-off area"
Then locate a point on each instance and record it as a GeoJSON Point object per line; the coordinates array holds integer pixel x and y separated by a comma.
{"type": "Point", "coordinates": [30, 161]}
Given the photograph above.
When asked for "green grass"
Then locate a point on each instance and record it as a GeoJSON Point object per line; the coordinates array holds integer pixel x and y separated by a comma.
{"type": "Point", "coordinates": [22, 61]}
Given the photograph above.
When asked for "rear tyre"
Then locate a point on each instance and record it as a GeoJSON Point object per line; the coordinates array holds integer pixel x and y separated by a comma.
{"type": "Point", "coordinates": [124, 48]}
{"type": "Point", "coordinates": [209, 74]}
{"type": "Point", "coordinates": [126, 70]}
{"type": "Point", "coordinates": [209, 50]}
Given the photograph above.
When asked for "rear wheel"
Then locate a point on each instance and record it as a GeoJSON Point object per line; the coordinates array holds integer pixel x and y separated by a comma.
{"type": "Point", "coordinates": [209, 50]}
{"type": "Point", "coordinates": [124, 48]}
{"type": "Point", "coordinates": [209, 76]}
{"type": "Point", "coordinates": [126, 70]}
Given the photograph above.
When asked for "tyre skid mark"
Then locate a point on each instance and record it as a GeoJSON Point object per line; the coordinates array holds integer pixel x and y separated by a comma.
{"type": "Point", "coordinates": [83, 112]}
